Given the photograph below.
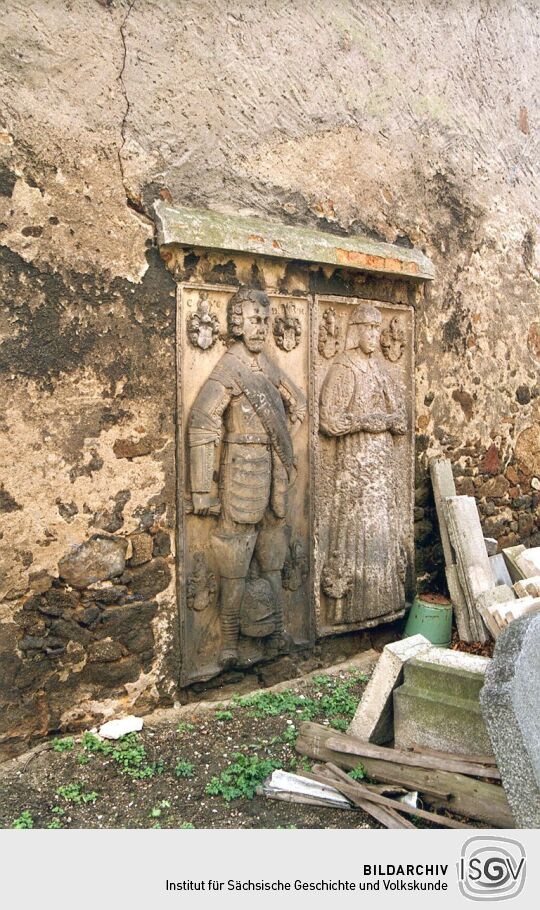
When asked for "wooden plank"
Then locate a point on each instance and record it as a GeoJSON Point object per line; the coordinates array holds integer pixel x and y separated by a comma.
{"type": "Point", "coordinates": [381, 789]}
{"type": "Point", "coordinates": [460, 794]}
{"type": "Point", "coordinates": [387, 816]}
{"type": "Point", "coordinates": [355, 791]}
{"type": "Point", "coordinates": [354, 746]}
{"type": "Point", "coordinates": [213, 230]}
{"type": "Point", "coordinates": [301, 799]}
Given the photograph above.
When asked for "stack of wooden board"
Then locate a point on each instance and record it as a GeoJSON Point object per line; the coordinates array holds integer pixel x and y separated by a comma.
{"type": "Point", "coordinates": [468, 620]}
{"type": "Point", "coordinates": [483, 589]}
{"type": "Point", "coordinates": [467, 786]}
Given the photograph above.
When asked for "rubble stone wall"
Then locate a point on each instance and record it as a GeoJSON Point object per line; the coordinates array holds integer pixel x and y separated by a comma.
{"type": "Point", "coordinates": [414, 123]}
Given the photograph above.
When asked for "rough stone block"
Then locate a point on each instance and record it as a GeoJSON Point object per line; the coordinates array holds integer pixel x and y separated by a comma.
{"type": "Point", "coordinates": [105, 651]}
{"type": "Point", "coordinates": [438, 704]}
{"type": "Point", "coordinates": [122, 623]}
{"type": "Point", "coordinates": [373, 720]}
{"type": "Point", "coordinates": [509, 702]}
{"type": "Point", "coordinates": [149, 579]}
{"type": "Point", "coordinates": [142, 545]}
{"type": "Point", "coordinates": [95, 560]}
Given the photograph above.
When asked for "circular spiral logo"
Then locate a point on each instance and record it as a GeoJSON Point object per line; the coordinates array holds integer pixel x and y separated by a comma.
{"type": "Point", "coordinates": [491, 868]}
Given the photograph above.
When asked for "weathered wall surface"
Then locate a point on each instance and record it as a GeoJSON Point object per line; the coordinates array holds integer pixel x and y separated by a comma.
{"type": "Point", "coordinates": [413, 122]}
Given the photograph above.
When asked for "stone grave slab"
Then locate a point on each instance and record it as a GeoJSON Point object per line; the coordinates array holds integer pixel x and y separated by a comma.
{"type": "Point", "coordinates": [438, 704]}
{"type": "Point", "coordinates": [509, 701]}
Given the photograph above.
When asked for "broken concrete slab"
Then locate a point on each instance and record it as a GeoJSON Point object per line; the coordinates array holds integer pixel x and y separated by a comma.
{"type": "Point", "coordinates": [489, 602]}
{"type": "Point", "coordinates": [509, 702]}
{"type": "Point", "coordinates": [294, 788]}
{"type": "Point", "coordinates": [438, 706]}
{"type": "Point", "coordinates": [373, 720]}
{"type": "Point", "coordinates": [468, 541]}
{"type": "Point", "coordinates": [529, 562]}
{"type": "Point", "coordinates": [500, 606]}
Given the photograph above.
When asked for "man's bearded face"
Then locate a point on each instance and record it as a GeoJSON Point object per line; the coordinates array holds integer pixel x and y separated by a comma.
{"type": "Point", "coordinates": [256, 321]}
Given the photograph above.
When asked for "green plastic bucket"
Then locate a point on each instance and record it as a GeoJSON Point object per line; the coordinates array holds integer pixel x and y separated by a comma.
{"type": "Point", "coordinates": [430, 616]}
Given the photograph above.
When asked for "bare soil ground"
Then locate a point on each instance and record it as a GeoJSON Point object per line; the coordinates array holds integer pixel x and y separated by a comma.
{"type": "Point", "coordinates": [201, 772]}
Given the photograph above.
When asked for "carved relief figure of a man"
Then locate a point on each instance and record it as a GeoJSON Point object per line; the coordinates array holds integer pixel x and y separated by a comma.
{"type": "Point", "coordinates": [363, 575]}
{"type": "Point", "coordinates": [239, 427]}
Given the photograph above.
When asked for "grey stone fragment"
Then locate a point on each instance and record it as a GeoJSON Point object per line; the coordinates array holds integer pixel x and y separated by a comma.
{"type": "Point", "coordinates": [438, 704]}
{"type": "Point", "coordinates": [373, 720]}
{"type": "Point", "coordinates": [491, 545]}
{"type": "Point", "coordinates": [501, 575]}
{"type": "Point", "coordinates": [95, 560]}
{"type": "Point", "coordinates": [510, 702]}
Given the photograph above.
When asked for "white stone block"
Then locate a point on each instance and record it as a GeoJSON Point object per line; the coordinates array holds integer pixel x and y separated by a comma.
{"type": "Point", "coordinates": [373, 721]}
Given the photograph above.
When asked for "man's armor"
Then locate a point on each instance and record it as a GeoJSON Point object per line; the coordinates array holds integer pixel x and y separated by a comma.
{"type": "Point", "coordinates": [240, 412]}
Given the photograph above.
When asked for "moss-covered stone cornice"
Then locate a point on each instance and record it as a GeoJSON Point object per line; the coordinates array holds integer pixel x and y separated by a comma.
{"type": "Point", "coordinates": [202, 228]}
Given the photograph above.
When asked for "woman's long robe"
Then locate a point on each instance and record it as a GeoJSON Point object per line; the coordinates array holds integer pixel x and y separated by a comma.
{"type": "Point", "coordinates": [363, 575]}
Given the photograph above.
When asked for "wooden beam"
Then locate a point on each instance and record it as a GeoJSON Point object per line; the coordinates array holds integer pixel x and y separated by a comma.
{"type": "Point", "coordinates": [355, 746]}
{"type": "Point", "coordinates": [468, 797]}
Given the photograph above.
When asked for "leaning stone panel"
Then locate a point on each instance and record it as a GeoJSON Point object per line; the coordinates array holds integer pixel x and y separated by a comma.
{"type": "Point", "coordinates": [362, 406]}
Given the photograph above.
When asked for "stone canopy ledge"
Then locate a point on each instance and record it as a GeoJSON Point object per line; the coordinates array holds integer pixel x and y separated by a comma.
{"type": "Point", "coordinates": [203, 228]}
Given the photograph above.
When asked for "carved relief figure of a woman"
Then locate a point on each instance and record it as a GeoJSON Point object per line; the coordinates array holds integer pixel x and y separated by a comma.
{"type": "Point", "coordinates": [363, 574]}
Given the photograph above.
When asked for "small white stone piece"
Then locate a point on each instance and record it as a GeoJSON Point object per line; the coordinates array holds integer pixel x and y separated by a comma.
{"type": "Point", "coordinates": [114, 729]}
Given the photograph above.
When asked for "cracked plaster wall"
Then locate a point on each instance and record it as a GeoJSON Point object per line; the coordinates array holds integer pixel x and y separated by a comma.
{"type": "Point", "coordinates": [416, 123]}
